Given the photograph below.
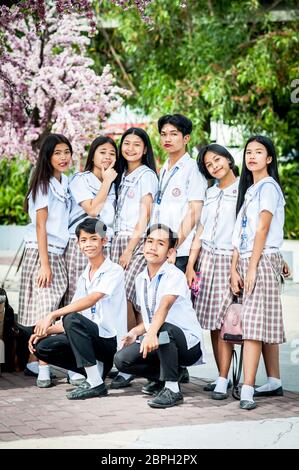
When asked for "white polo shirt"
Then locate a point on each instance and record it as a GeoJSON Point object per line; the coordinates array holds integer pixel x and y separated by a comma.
{"type": "Point", "coordinates": [110, 312]}
{"type": "Point", "coordinates": [222, 202]}
{"type": "Point", "coordinates": [184, 184]}
{"type": "Point", "coordinates": [181, 313]}
{"type": "Point", "coordinates": [264, 195]}
{"type": "Point", "coordinates": [134, 186]}
{"type": "Point", "coordinates": [57, 200]}
{"type": "Point", "coordinates": [85, 186]}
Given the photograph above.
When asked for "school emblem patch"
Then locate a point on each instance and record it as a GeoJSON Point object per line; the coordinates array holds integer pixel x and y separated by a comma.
{"type": "Point", "coordinates": [131, 193]}
{"type": "Point", "coordinates": [176, 192]}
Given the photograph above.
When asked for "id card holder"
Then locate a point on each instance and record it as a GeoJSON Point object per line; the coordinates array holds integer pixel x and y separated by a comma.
{"type": "Point", "coordinates": [93, 311]}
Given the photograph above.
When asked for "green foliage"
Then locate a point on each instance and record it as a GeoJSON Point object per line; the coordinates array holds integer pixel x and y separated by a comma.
{"type": "Point", "coordinates": [14, 176]}
{"type": "Point", "coordinates": [289, 178]}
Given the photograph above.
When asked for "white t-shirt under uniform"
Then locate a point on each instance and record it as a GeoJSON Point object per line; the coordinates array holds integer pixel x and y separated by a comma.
{"type": "Point", "coordinates": [57, 200]}
{"type": "Point", "coordinates": [184, 183]}
{"type": "Point", "coordinates": [110, 312]}
{"type": "Point", "coordinates": [181, 313]}
{"type": "Point", "coordinates": [85, 186]}
{"type": "Point", "coordinates": [264, 195]}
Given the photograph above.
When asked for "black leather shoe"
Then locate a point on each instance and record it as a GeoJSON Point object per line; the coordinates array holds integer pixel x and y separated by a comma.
{"type": "Point", "coordinates": [120, 382]}
{"type": "Point", "coordinates": [166, 399]}
{"type": "Point", "coordinates": [247, 405]}
{"type": "Point", "coordinates": [153, 387]}
{"type": "Point", "coordinates": [219, 395]}
{"type": "Point", "coordinates": [81, 393]}
{"type": "Point", "coordinates": [278, 392]}
{"type": "Point", "coordinates": [184, 377]}
{"type": "Point", "coordinates": [210, 387]}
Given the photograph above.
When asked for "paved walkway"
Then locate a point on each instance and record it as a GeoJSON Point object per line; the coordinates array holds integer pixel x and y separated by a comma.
{"type": "Point", "coordinates": [30, 413]}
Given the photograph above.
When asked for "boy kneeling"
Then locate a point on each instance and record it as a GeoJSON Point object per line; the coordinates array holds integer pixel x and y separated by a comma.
{"type": "Point", "coordinates": [86, 342]}
{"type": "Point", "coordinates": [172, 334]}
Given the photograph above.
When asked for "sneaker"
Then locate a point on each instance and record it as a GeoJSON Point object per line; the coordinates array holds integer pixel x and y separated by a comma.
{"type": "Point", "coordinates": [278, 392]}
{"type": "Point", "coordinates": [120, 382]}
{"type": "Point", "coordinates": [184, 377]}
{"type": "Point", "coordinates": [210, 387]}
{"type": "Point", "coordinates": [44, 383]}
{"type": "Point", "coordinates": [166, 399]}
{"type": "Point", "coordinates": [247, 405]}
{"type": "Point", "coordinates": [153, 387]}
{"type": "Point", "coordinates": [81, 393]}
{"type": "Point", "coordinates": [75, 382]}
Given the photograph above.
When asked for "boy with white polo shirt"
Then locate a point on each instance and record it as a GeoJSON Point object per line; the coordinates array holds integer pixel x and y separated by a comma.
{"type": "Point", "coordinates": [182, 187]}
{"type": "Point", "coordinates": [169, 334]}
{"type": "Point", "coordinates": [86, 342]}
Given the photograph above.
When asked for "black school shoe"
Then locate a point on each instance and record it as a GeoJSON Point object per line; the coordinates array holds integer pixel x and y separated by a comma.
{"type": "Point", "coordinates": [184, 377]}
{"type": "Point", "coordinates": [210, 387]}
{"type": "Point", "coordinates": [120, 382]}
{"type": "Point", "coordinates": [153, 387]}
{"type": "Point", "coordinates": [82, 393]}
{"type": "Point", "coordinates": [166, 399]}
{"type": "Point", "coordinates": [278, 392]}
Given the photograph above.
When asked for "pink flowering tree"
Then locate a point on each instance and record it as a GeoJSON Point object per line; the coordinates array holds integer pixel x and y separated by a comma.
{"type": "Point", "coordinates": [47, 84]}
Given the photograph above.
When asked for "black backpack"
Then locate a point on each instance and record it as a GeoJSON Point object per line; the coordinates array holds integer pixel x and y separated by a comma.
{"type": "Point", "coordinates": [8, 335]}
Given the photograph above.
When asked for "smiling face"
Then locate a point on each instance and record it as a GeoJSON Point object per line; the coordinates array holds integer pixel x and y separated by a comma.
{"type": "Point", "coordinates": [60, 159]}
{"type": "Point", "coordinates": [91, 244]}
{"type": "Point", "coordinates": [172, 139]}
{"type": "Point", "coordinates": [133, 148]}
{"type": "Point", "coordinates": [156, 247]}
{"type": "Point", "coordinates": [217, 165]}
{"type": "Point", "coordinates": [256, 157]}
{"type": "Point", "coordinates": [104, 156]}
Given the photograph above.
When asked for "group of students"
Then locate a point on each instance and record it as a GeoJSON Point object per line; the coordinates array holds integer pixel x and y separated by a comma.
{"type": "Point", "coordinates": [120, 248]}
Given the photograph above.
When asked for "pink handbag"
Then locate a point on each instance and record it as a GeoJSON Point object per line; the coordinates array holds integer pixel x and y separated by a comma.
{"type": "Point", "coordinates": [231, 329]}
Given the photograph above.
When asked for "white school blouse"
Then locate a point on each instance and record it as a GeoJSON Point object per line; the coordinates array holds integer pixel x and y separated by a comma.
{"type": "Point", "coordinates": [110, 312]}
{"type": "Point", "coordinates": [264, 195]}
{"type": "Point", "coordinates": [134, 186]}
{"type": "Point", "coordinates": [218, 230]}
{"type": "Point", "coordinates": [57, 200]}
{"type": "Point", "coordinates": [185, 185]}
{"type": "Point", "coordinates": [85, 186]}
{"type": "Point", "coordinates": [181, 313]}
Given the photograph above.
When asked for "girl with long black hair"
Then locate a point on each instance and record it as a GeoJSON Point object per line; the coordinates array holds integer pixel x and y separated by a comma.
{"type": "Point", "coordinates": [44, 277]}
{"type": "Point", "coordinates": [257, 264]}
{"type": "Point", "coordinates": [136, 186]}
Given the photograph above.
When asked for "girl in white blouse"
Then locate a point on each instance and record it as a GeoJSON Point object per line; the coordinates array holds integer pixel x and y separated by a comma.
{"type": "Point", "coordinates": [211, 250]}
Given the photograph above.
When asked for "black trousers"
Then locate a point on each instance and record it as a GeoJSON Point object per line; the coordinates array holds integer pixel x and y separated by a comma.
{"type": "Point", "coordinates": [163, 363]}
{"type": "Point", "coordinates": [80, 346]}
{"type": "Point", "coordinates": [181, 263]}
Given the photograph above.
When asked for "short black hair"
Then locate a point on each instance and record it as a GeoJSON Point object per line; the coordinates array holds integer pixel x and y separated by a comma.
{"type": "Point", "coordinates": [219, 150]}
{"type": "Point", "coordinates": [182, 123]}
{"type": "Point", "coordinates": [92, 225]}
{"type": "Point", "coordinates": [173, 238]}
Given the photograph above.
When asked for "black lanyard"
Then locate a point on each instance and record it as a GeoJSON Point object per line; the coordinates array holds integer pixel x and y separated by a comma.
{"type": "Point", "coordinates": [161, 190]}
{"type": "Point", "coordinates": [151, 311]}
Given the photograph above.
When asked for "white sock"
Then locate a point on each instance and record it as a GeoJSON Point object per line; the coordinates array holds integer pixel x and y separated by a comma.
{"type": "Point", "coordinates": [125, 376]}
{"type": "Point", "coordinates": [93, 377]}
{"type": "Point", "coordinates": [100, 366]}
{"type": "Point", "coordinates": [272, 384]}
{"type": "Point", "coordinates": [44, 372]}
{"type": "Point", "coordinates": [33, 366]}
{"type": "Point", "coordinates": [221, 385]}
{"type": "Point", "coordinates": [247, 393]}
{"type": "Point", "coordinates": [173, 386]}
{"type": "Point", "coordinates": [75, 375]}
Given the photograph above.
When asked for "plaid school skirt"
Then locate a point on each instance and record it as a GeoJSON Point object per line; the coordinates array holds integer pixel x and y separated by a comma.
{"type": "Point", "coordinates": [135, 267]}
{"type": "Point", "coordinates": [36, 302]}
{"type": "Point", "coordinates": [75, 263]}
{"type": "Point", "coordinates": [262, 310]}
{"type": "Point", "coordinates": [215, 274]}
